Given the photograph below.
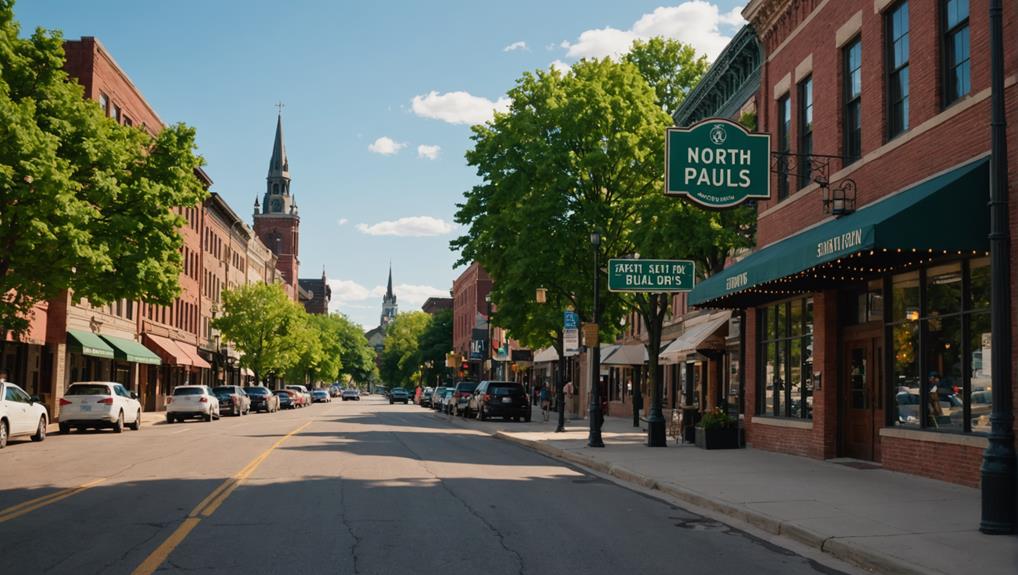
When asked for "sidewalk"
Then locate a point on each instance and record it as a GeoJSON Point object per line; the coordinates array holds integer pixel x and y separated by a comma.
{"type": "Point", "coordinates": [881, 520]}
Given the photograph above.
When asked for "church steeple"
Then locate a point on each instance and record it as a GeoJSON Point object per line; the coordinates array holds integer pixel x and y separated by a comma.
{"type": "Point", "coordinates": [277, 183]}
{"type": "Point", "coordinates": [388, 292]}
{"type": "Point", "coordinates": [389, 302]}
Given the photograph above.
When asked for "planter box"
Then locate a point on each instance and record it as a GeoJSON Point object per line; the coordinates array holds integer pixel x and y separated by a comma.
{"type": "Point", "coordinates": [717, 438]}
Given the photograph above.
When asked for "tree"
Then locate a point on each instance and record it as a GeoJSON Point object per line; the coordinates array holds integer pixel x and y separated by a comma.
{"type": "Point", "coordinates": [259, 319]}
{"type": "Point", "coordinates": [308, 340]}
{"type": "Point", "coordinates": [436, 341]}
{"type": "Point", "coordinates": [401, 357]}
{"type": "Point", "coordinates": [579, 153]}
{"type": "Point", "coordinates": [358, 357]}
{"type": "Point", "coordinates": [85, 204]}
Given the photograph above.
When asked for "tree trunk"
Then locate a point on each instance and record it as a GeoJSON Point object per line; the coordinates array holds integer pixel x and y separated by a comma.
{"type": "Point", "coordinates": [656, 429]}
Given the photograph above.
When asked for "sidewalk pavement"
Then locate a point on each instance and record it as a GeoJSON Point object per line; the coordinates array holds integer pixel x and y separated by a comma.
{"type": "Point", "coordinates": [880, 520]}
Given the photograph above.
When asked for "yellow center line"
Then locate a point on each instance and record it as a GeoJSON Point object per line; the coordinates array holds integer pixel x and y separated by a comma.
{"type": "Point", "coordinates": [206, 508]}
{"type": "Point", "coordinates": [39, 502]}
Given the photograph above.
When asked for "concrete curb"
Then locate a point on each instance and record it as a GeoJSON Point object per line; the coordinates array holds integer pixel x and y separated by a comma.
{"type": "Point", "coordinates": [841, 548]}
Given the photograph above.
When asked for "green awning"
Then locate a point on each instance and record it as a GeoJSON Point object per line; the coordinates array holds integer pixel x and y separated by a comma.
{"type": "Point", "coordinates": [945, 215]}
{"type": "Point", "coordinates": [130, 350]}
{"type": "Point", "coordinates": [88, 343]}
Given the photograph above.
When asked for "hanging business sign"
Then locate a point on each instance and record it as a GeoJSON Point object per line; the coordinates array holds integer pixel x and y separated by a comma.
{"type": "Point", "coordinates": [717, 163]}
{"type": "Point", "coordinates": [653, 276]}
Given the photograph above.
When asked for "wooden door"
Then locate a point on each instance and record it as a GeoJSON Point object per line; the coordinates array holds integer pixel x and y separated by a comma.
{"type": "Point", "coordinates": [859, 368]}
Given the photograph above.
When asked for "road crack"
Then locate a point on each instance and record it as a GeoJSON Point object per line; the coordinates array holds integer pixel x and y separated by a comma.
{"type": "Point", "coordinates": [349, 528]}
{"type": "Point", "coordinates": [491, 527]}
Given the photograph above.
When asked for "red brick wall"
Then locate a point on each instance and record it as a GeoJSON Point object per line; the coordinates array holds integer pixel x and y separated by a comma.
{"type": "Point", "coordinates": [946, 462]}
{"type": "Point", "coordinates": [469, 290]}
{"type": "Point", "coordinates": [287, 228]}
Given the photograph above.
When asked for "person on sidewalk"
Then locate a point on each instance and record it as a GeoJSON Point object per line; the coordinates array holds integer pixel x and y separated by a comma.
{"type": "Point", "coordinates": [545, 401]}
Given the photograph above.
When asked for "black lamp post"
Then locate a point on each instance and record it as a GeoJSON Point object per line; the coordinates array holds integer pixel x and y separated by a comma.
{"type": "Point", "coordinates": [998, 469]}
{"type": "Point", "coordinates": [487, 344]}
{"type": "Point", "coordinates": [594, 349]}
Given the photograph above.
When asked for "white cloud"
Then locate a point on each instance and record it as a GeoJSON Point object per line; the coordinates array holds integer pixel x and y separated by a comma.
{"type": "Point", "coordinates": [411, 297]}
{"type": "Point", "coordinates": [520, 45]}
{"type": "Point", "coordinates": [362, 303]}
{"type": "Point", "coordinates": [347, 291]}
{"type": "Point", "coordinates": [342, 221]}
{"type": "Point", "coordinates": [457, 107]}
{"type": "Point", "coordinates": [429, 152]}
{"type": "Point", "coordinates": [694, 22]}
{"type": "Point", "coordinates": [386, 146]}
{"type": "Point", "coordinates": [414, 226]}
{"type": "Point", "coordinates": [560, 66]}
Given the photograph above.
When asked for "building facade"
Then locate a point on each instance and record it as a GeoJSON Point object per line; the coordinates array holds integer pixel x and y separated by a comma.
{"type": "Point", "coordinates": [470, 312]}
{"type": "Point", "coordinates": [277, 223]}
{"type": "Point", "coordinates": [866, 303]}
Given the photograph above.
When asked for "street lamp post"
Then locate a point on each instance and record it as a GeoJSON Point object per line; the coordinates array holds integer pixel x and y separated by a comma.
{"type": "Point", "coordinates": [594, 414]}
{"type": "Point", "coordinates": [998, 469]}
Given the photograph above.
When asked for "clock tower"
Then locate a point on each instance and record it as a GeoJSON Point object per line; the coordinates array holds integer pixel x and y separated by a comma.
{"type": "Point", "coordinates": [276, 221]}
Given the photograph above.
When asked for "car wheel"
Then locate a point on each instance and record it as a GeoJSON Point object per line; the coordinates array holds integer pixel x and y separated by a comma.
{"type": "Point", "coordinates": [3, 434]}
{"type": "Point", "coordinates": [526, 418]}
{"type": "Point", "coordinates": [208, 416]}
{"type": "Point", "coordinates": [40, 432]}
{"type": "Point", "coordinates": [137, 422]}
{"type": "Point", "coordinates": [118, 426]}
{"type": "Point", "coordinates": [64, 428]}
{"type": "Point", "coordinates": [481, 415]}
{"type": "Point", "coordinates": [170, 418]}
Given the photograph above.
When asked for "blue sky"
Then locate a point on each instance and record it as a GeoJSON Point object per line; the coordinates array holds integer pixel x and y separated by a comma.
{"type": "Point", "coordinates": [379, 97]}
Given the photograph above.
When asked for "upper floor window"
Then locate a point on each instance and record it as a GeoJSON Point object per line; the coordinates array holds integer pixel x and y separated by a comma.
{"type": "Point", "coordinates": [805, 130]}
{"type": "Point", "coordinates": [897, 69]}
{"type": "Point", "coordinates": [104, 103]}
{"type": "Point", "coordinates": [853, 100]}
{"type": "Point", "coordinates": [784, 129]}
{"type": "Point", "coordinates": [956, 50]}
{"type": "Point", "coordinates": [115, 113]}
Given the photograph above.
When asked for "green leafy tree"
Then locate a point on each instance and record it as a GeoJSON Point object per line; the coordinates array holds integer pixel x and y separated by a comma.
{"type": "Point", "coordinates": [358, 357]}
{"type": "Point", "coordinates": [308, 340]}
{"type": "Point", "coordinates": [259, 319]}
{"type": "Point", "coordinates": [401, 357]}
{"type": "Point", "coordinates": [85, 204]}
{"type": "Point", "coordinates": [671, 68]}
{"type": "Point", "coordinates": [436, 341]}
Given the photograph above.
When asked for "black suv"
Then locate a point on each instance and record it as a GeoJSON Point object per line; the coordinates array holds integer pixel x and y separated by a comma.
{"type": "Point", "coordinates": [505, 399]}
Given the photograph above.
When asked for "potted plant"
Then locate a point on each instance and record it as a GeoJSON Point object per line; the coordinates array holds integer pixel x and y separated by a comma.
{"type": "Point", "coordinates": [717, 430]}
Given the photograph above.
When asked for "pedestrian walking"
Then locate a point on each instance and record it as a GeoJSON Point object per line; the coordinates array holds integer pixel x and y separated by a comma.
{"type": "Point", "coordinates": [545, 402]}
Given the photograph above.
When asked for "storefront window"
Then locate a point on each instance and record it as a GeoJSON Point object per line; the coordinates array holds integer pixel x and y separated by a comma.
{"type": "Point", "coordinates": [784, 385]}
{"type": "Point", "coordinates": [940, 337]}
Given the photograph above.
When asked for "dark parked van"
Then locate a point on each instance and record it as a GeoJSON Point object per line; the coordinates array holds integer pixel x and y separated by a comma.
{"type": "Point", "coordinates": [505, 399]}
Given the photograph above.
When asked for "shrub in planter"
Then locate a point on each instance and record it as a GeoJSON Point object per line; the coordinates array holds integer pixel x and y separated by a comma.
{"type": "Point", "coordinates": [717, 430]}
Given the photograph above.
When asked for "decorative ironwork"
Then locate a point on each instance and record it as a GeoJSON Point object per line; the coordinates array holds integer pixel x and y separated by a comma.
{"type": "Point", "coordinates": [838, 197]}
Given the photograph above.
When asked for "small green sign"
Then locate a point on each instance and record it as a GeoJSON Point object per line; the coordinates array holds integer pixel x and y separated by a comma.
{"type": "Point", "coordinates": [717, 163]}
{"type": "Point", "coordinates": [655, 276]}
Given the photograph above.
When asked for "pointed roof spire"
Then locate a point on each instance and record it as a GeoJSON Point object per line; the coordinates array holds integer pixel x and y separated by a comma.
{"type": "Point", "coordinates": [279, 165]}
{"type": "Point", "coordinates": [388, 291]}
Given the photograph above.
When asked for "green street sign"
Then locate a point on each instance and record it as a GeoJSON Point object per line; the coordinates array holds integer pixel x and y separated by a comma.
{"type": "Point", "coordinates": [655, 276]}
{"type": "Point", "coordinates": [717, 163]}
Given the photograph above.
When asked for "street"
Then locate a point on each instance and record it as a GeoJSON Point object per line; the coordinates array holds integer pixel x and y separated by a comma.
{"type": "Point", "coordinates": [345, 487]}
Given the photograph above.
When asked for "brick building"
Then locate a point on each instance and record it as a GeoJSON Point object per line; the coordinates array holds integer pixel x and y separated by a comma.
{"type": "Point", "coordinates": [470, 313]}
{"type": "Point", "coordinates": [277, 223]}
{"type": "Point", "coordinates": [866, 302]}
{"type": "Point", "coordinates": [317, 296]}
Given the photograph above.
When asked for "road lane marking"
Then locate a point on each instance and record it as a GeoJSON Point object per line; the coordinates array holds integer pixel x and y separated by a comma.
{"type": "Point", "coordinates": [206, 508]}
{"type": "Point", "coordinates": [39, 502]}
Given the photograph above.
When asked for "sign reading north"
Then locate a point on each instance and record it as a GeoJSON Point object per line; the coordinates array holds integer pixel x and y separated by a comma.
{"type": "Point", "coordinates": [717, 163]}
{"type": "Point", "coordinates": [655, 276]}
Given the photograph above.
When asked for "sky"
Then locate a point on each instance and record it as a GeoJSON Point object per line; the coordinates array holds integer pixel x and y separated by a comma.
{"type": "Point", "coordinates": [378, 101]}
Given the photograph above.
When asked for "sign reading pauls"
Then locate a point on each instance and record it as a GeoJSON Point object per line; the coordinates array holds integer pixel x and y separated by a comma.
{"type": "Point", "coordinates": [717, 163]}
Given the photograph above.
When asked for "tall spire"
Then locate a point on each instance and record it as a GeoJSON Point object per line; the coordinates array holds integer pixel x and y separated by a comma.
{"type": "Point", "coordinates": [279, 166]}
{"type": "Point", "coordinates": [388, 292]}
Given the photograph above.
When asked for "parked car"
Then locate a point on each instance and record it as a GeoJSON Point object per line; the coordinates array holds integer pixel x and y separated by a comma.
{"type": "Point", "coordinates": [232, 399]}
{"type": "Point", "coordinates": [426, 397]}
{"type": "Point", "coordinates": [99, 404]}
{"type": "Point", "coordinates": [351, 393]}
{"type": "Point", "coordinates": [399, 394]}
{"type": "Point", "coordinates": [21, 414]}
{"type": "Point", "coordinates": [190, 401]}
{"type": "Point", "coordinates": [287, 398]}
{"type": "Point", "coordinates": [461, 397]}
{"type": "Point", "coordinates": [320, 396]}
{"type": "Point", "coordinates": [304, 393]}
{"type": "Point", "coordinates": [262, 399]}
{"type": "Point", "coordinates": [505, 399]}
{"type": "Point", "coordinates": [436, 397]}
{"type": "Point", "coordinates": [335, 390]}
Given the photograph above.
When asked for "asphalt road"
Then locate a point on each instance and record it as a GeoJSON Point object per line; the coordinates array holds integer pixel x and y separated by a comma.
{"type": "Point", "coordinates": [347, 487]}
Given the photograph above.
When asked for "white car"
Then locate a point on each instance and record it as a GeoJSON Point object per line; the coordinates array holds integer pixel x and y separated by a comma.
{"type": "Point", "coordinates": [191, 401]}
{"type": "Point", "coordinates": [99, 404]}
{"type": "Point", "coordinates": [351, 393]}
{"type": "Point", "coordinates": [20, 414]}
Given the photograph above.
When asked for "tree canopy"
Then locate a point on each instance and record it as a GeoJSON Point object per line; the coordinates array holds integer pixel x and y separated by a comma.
{"type": "Point", "coordinates": [401, 357]}
{"type": "Point", "coordinates": [86, 204]}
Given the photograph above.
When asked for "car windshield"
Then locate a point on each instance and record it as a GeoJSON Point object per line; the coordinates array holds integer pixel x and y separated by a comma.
{"type": "Point", "coordinates": [188, 391]}
{"type": "Point", "coordinates": [256, 391]}
{"type": "Point", "coordinates": [88, 389]}
{"type": "Point", "coordinates": [468, 386]}
{"type": "Point", "coordinates": [282, 393]}
{"type": "Point", "coordinates": [500, 390]}
{"type": "Point", "coordinates": [222, 390]}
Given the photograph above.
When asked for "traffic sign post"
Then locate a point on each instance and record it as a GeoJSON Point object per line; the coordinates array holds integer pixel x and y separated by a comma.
{"type": "Point", "coordinates": [650, 276]}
